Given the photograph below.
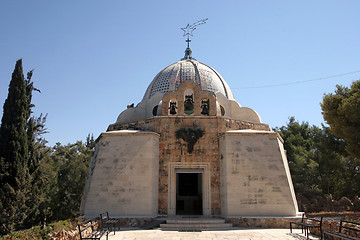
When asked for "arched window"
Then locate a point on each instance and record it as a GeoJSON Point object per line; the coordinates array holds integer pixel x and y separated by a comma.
{"type": "Point", "coordinates": [189, 101]}
{"type": "Point", "coordinates": [155, 109]}
{"type": "Point", "coordinates": [205, 107]}
{"type": "Point", "coordinates": [222, 110]}
{"type": "Point", "coordinates": [173, 107]}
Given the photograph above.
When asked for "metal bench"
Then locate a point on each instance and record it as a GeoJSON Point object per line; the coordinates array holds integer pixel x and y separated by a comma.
{"type": "Point", "coordinates": [95, 233]}
{"type": "Point", "coordinates": [349, 227]}
{"type": "Point", "coordinates": [107, 222]}
{"type": "Point", "coordinates": [306, 224]}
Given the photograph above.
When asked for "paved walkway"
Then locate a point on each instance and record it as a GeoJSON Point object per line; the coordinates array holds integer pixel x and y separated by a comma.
{"type": "Point", "coordinates": [261, 234]}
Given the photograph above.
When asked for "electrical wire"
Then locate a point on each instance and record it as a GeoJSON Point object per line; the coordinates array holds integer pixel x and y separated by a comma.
{"type": "Point", "coordinates": [299, 82]}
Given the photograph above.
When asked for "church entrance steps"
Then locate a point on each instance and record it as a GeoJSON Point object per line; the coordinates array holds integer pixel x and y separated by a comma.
{"type": "Point", "coordinates": [195, 224]}
{"type": "Point", "coordinates": [153, 224]}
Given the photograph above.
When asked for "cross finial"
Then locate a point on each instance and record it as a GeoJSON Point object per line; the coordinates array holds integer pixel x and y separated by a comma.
{"type": "Point", "coordinates": [188, 42]}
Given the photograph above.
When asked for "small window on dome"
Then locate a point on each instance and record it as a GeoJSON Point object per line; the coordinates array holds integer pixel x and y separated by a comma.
{"type": "Point", "coordinates": [222, 110]}
{"type": "Point", "coordinates": [155, 109]}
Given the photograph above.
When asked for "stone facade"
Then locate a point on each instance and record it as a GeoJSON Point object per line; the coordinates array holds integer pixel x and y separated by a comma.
{"type": "Point", "coordinates": [206, 150]}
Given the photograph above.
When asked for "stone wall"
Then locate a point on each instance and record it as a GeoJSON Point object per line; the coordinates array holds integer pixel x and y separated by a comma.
{"type": "Point", "coordinates": [154, 123]}
{"type": "Point", "coordinates": [206, 149]}
{"type": "Point", "coordinates": [123, 175]}
{"type": "Point", "coordinates": [326, 203]}
{"type": "Point", "coordinates": [255, 178]}
{"type": "Point", "coordinates": [331, 222]}
{"type": "Point", "coordinates": [262, 222]}
{"type": "Point", "coordinates": [174, 149]}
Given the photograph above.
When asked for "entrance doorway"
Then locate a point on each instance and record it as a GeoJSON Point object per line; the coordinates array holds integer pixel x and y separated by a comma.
{"type": "Point", "coordinates": [189, 194]}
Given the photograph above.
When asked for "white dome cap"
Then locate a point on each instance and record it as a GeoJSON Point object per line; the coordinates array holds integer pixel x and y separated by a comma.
{"type": "Point", "coordinates": [188, 69]}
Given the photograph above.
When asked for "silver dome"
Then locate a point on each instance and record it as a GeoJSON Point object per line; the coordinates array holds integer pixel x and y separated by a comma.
{"type": "Point", "coordinates": [188, 69]}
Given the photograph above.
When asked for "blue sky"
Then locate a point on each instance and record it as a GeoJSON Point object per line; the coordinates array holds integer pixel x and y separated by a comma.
{"type": "Point", "coordinates": [92, 58]}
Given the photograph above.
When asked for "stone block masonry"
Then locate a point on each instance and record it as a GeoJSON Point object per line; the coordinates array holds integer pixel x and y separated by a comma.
{"type": "Point", "coordinates": [206, 149]}
{"type": "Point", "coordinates": [123, 175]}
{"type": "Point", "coordinates": [255, 179]}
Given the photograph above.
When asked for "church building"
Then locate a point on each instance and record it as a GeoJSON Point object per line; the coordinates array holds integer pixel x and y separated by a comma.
{"type": "Point", "coordinates": [189, 148]}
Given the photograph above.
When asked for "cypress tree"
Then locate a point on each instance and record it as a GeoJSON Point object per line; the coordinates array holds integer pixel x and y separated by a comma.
{"type": "Point", "coordinates": [34, 126]}
{"type": "Point", "coordinates": [14, 172]}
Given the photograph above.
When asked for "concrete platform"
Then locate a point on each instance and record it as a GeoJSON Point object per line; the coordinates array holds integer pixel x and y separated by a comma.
{"type": "Point", "coordinates": [261, 234]}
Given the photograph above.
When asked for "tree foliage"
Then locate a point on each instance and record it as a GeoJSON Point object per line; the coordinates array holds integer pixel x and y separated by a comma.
{"type": "Point", "coordinates": [14, 173]}
{"type": "Point", "coordinates": [341, 110]}
{"type": "Point", "coordinates": [38, 183]}
{"type": "Point", "coordinates": [300, 145]}
{"type": "Point", "coordinates": [71, 166]}
{"type": "Point", "coordinates": [318, 162]}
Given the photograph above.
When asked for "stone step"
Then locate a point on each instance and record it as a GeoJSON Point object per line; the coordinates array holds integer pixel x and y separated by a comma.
{"type": "Point", "coordinates": [153, 224]}
{"type": "Point", "coordinates": [197, 227]}
{"type": "Point", "coordinates": [196, 220]}
{"type": "Point", "coordinates": [195, 224]}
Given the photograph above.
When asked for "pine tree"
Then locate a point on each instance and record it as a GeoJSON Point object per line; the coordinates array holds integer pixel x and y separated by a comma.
{"type": "Point", "coordinates": [341, 110]}
{"type": "Point", "coordinates": [14, 155]}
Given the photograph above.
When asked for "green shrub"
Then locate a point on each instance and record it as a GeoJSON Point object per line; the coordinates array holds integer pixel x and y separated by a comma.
{"type": "Point", "coordinates": [41, 232]}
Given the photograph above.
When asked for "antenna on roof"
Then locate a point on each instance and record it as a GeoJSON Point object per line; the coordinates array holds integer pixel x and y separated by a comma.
{"type": "Point", "coordinates": [188, 30]}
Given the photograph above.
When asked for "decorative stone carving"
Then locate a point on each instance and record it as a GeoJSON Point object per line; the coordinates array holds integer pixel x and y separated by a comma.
{"type": "Point", "coordinates": [190, 136]}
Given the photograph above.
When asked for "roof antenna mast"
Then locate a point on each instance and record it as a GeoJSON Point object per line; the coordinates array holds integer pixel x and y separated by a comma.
{"type": "Point", "coordinates": [188, 30]}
